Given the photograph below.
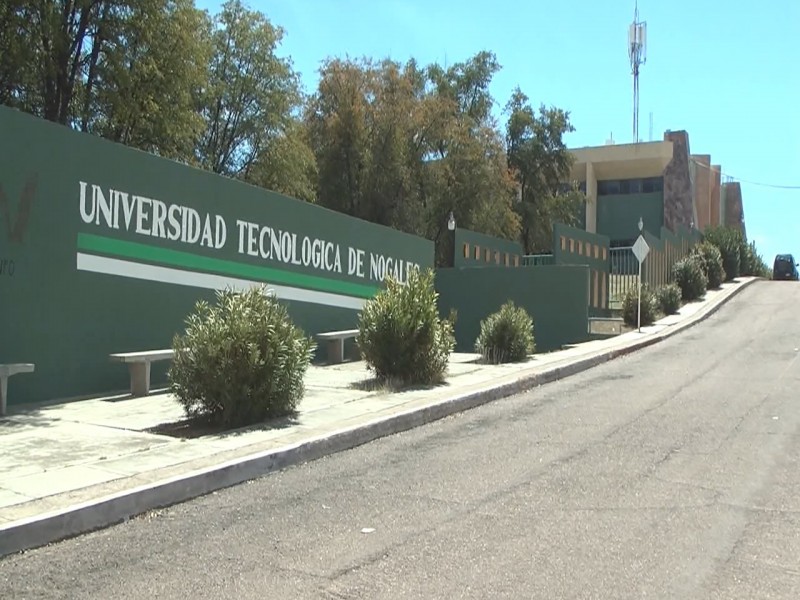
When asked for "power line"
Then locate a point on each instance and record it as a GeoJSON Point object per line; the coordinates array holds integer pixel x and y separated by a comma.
{"type": "Point", "coordinates": [722, 173]}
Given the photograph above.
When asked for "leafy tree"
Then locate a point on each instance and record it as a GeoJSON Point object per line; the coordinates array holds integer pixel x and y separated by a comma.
{"type": "Point", "coordinates": [47, 46]}
{"type": "Point", "coordinates": [288, 165]}
{"type": "Point", "coordinates": [540, 162]}
{"type": "Point", "coordinates": [146, 86]}
{"type": "Point", "coordinates": [466, 85]}
{"type": "Point", "coordinates": [251, 95]}
{"type": "Point", "coordinates": [404, 146]}
{"type": "Point", "coordinates": [337, 122]}
{"type": "Point", "coordinates": [15, 52]}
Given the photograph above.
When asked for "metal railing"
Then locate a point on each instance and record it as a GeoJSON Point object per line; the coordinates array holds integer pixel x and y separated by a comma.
{"type": "Point", "coordinates": [624, 275]}
{"type": "Point", "coordinates": [538, 260]}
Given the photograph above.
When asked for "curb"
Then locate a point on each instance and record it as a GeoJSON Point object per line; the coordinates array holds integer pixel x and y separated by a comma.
{"type": "Point", "coordinates": [83, 518]}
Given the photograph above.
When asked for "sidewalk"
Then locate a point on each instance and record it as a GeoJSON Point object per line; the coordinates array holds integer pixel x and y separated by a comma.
{"type": "Point", "coordinates": [70, 468]}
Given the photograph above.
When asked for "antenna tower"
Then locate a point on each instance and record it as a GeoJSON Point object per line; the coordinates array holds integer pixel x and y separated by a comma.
{"type": "Point", "coordinates": [637, 53]}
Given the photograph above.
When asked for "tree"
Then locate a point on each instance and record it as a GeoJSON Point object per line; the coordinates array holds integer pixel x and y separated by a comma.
{"type": "Point", "coordinates": [540, 161]}
{"type": "Point", "coordinates": [15, 52]}
{"type": "Point", "coordinates": [126, 70]}
{"type": "Point", "coordinates": [404, 146]}
{"type": "Point", "coordinates": [252, 93]}
{"type": "Point", "coordinates": [46, 46]}
{"type": "Point", "coordinates": [288, 165]}
{"type": "Point", "coordinates": [473, 178]}
{"type": "Point", "coordinates": [336, 117]}
{"type": "Point", "coordinates": [146, 87]}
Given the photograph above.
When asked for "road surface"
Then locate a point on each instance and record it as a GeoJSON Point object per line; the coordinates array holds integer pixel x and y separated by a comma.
{"type": "Point", "coordinates": [671, 473]}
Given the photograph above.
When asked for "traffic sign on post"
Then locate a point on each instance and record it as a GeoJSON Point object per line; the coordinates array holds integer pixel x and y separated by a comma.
{"type": "Point", "coordinates": [640, 250]}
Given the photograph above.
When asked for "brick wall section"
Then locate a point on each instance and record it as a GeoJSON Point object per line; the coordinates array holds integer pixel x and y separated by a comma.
{"type": "Point", "coordinates": [734, 210]}
{"type": "Point", "coordinates": [716, 179]}
{"type": "Point", "coordinates": [702, 190]}
{"type": "Point", "coordinates": [678, 194]}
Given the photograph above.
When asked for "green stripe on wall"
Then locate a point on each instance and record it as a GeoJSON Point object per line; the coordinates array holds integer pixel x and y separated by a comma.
{"type": "Point", "coordinates": [95, 243]}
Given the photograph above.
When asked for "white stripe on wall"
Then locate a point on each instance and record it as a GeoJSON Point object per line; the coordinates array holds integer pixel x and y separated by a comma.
{"type": "Point", "coordinates": [134, 270]}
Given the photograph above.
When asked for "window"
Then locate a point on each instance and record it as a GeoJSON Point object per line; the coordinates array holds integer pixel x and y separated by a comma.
{"type": "Point", "coordinates": [466, 250]}
{"type": "Point", "coordinates": [477, 252]}
{"type": "Point", "coordinates": [607, 188]}
{"type": "Point", "coordinates": [630, 186]}
{"type": "Point", "coordinates": [653, 184]}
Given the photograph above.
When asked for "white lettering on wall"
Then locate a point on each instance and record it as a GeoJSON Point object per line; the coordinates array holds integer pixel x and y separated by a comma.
{"type": "Point", "coordinates": [144, 216]}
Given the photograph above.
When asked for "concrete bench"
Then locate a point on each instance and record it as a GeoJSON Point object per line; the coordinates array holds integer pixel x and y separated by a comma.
{"type": "Point", "coordinates": [139, 367]}
{"type": "Point", "coordinates": [335, 340]}
{"type": "Point", "coordinates": [7, 371]}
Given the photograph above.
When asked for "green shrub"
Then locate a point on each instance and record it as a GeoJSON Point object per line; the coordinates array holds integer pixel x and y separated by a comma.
{"type": "Point", "coordinates": [630, 306]}
{"type": "Point", "coordinates": [669, 298]}
{"type": "Point", "coordinates": [688, 274]}
{"type": "Point", "coordinates": [400, 335]}
{"type": "Point", "coordinates": [506, 336]}
{"type": "Point", "coordinates": [711, 260]}
{"type": "Point", "coordinates": [752, 264]}
{"type": "Point", "coordinates": [241, 360]}
{"type": "Point", "coordinates": [758, 268]}
{"type": "Point", "coordinates": [729, 241]}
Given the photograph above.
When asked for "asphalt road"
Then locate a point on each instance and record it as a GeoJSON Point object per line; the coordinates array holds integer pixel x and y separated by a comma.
{"type": "Point", "coordinates": [671, 473]}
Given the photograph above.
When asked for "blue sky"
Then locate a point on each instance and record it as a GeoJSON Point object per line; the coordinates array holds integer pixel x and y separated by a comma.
{"type": "Point", "coordinates": [726, 71]}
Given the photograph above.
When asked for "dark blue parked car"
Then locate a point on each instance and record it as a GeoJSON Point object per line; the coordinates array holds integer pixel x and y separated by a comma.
{"type": "Point", "coordinates": [785, 268]}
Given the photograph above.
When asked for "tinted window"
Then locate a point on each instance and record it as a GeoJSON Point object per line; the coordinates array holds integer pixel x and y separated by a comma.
{"type": "Point", "coordinates": [629, 186]}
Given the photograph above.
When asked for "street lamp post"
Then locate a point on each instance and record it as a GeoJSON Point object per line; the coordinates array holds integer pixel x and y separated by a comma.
{"type": "Point", "coordinates": [450, 236]}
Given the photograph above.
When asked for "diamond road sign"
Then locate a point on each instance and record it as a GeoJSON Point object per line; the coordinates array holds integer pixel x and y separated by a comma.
{"type": "Point", "coordinates": [641, 249]}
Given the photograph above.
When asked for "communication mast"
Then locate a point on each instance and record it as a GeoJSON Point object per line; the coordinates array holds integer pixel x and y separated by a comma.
{"type": "Point", "coordinates": [637, 53]}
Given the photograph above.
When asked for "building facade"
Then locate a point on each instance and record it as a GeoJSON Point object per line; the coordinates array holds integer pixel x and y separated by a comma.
{"type": "Point", "coordinates": [660, 182]}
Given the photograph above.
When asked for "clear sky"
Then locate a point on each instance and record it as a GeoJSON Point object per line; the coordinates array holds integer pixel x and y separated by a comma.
{"type": "Point", "coordinates": [726, 71]}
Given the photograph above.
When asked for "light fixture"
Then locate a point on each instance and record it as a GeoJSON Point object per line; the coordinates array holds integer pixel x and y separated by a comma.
{"type": "Point", "coordinates": [641, 224]}
{"type": "Point", "coordinates": [451, 222]}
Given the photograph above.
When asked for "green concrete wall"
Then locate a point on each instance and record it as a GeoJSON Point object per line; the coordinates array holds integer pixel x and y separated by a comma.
{"type": "Point", "coordinates": [618, 215]}
{"type": "Point", "coordinates": [572, 246]}
{"type": "Point", "coordinates": [106, 249]}
{"type": "Point", "coordinates": [476, 249]}
{"type": "Point", "coordinates": [557, 297]}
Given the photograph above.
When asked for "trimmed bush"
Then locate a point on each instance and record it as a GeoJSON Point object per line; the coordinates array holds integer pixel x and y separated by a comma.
{"type": "Point", "coordinates": [729, 241]}
{"type": "Point", "coordinates": [688, 274]}
{"type": "Point", "coordinates": [400, 335]}
{"type": "Point", "coordinates": [711, 259]}
{"type": "Point", "coordinates": [630, 306]}
{"type": "Point", "coordinates": [240, 361]}
{"type": "Point", "coordinates": [506, 336]}
{"type": "Point", "coordinates": [669, 298]}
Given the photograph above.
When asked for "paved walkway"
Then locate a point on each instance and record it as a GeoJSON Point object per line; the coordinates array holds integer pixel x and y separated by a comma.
{"type": "Point", "coordinates": [57, 456]}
